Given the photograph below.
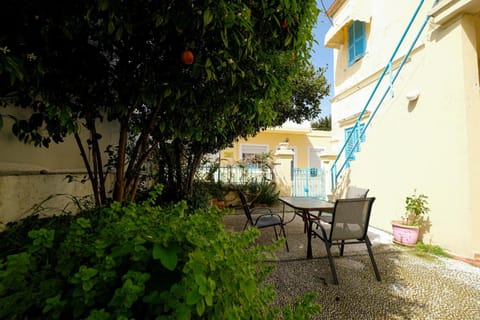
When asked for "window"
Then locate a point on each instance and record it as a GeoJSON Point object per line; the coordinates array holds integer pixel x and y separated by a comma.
{"type": "Point", "coordinates": [356, 41]}
{"type": "Point", "coordinates": [249, 151]}
{"type": "Point", "coordinates": [353, 141]}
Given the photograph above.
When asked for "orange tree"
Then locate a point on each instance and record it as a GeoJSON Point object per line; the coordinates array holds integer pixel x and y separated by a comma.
{"type": "Point", "coordinates": [181, 78]}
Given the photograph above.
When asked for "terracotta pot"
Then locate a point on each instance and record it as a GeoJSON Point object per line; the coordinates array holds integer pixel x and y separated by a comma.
{"type": "Point", "coordinates": [404, 234]}
{"type": "Point", "coordinates": [220, 204]}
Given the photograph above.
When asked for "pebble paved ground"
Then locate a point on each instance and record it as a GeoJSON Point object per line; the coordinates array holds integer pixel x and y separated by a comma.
{"type": "Point", "coordinates": [413, 286]}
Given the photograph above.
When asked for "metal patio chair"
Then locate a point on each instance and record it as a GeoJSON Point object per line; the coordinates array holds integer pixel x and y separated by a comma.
{"type": "Point", "coordinates": [352, 193]}
{"type": "Point", "coordinates": [268, 219]}
{"type": "Point", "coordinates": [349, 225]}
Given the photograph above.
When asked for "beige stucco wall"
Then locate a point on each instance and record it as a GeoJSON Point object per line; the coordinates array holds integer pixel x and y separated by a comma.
{"type": "Point", "coordinates": [301, 139]}
{"type": "Point", "coordinates": [432, 144]}
{"type": "Point", "coordinates": [30, 175]}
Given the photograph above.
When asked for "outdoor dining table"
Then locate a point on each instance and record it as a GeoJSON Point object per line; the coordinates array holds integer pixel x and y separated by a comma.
{"type": "Point", "coordinates": [304, 207]}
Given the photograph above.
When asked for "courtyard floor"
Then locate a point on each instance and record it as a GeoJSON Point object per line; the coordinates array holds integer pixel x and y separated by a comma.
{"type": "Point", "coordinates": [414, 285]}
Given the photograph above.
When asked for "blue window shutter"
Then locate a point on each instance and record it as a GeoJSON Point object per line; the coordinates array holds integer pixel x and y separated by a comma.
{"type": "Point", "coordinates": [351, 45]}
{"type": "Point", "coordinates": [349, 146]}
{"type": "Point", "coordinates": [360, 129]}
{"type": "Point", "coordinates": [356, 41]}
{"type": "Point", "coordinates": [359, 39]}
{"type": "Point", "coordinates": [352, 141]}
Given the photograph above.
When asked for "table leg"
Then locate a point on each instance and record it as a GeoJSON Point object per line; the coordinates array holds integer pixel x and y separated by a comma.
{"type": "Point", "coordinates": [309, 240]}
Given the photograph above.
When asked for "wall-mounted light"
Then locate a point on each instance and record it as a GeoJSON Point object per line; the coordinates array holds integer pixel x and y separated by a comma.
{"type": "Point", "coordinates": [412, 95]}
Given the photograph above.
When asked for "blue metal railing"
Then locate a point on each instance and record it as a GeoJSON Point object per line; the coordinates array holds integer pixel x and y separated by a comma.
{"type": "Point", "coordinates": [388, 67]}
{"type": "Point", "coordinates": [308, 182]}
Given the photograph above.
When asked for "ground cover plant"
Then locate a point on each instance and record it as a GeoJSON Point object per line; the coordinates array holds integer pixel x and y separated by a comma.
{"type": "Point", "coordinates": [139, 261]}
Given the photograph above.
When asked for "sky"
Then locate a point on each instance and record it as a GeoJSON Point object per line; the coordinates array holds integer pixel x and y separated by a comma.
{"type": "Point", "coordinates": [321, 56]}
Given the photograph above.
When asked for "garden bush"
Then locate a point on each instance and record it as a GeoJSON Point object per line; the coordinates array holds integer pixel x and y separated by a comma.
{"type": "Point", "coordinates": [137, 262]}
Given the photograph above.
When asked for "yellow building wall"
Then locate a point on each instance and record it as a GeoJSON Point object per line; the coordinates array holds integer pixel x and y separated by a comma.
{"type": "Point", "coordinates": [300, 139]}
{"type": "Point", "coordinates": [431, 144]}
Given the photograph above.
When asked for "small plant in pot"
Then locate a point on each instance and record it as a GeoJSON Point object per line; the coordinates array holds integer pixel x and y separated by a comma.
{"type": "Point", "coordinates": [407, 230]}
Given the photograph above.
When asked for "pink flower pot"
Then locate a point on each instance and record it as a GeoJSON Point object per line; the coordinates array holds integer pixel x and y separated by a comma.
{"type": "Point", "coordinates": [403, 234]}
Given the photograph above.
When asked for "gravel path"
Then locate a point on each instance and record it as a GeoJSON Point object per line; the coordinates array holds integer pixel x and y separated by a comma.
{"type": "Point", "coordinates": [413, 286]}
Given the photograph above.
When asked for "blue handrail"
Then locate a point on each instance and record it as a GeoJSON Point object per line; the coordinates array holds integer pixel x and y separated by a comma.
{"type": "Point", "coordinates": [334, 174]}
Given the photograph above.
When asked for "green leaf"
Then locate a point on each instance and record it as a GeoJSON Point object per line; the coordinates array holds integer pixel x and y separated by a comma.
{"type": "Point", "coordinates": [167, 256]}
{"type": "Point", "coordinates": [223, 35]}
{"type": "Point", "coordinates": [13, 65]}
{"type": "Point", "coordinates": [209, 300]}
{"type": "Point", "coordinates": [208, 63]}
{"type": "Point", "coordinates": [84, 223]}
{"type": "Point", "coordinates": [111, 27]}
{"type": "Point", "coordinates": [288, 40]}
{"type": "Point", "coordinates": [248, 288]}
{"type": "Point", "coordinates": [193, 297]}
{"type": "Point", "coordinates": [207, 18]}
{"type": "Point", "coordinates": [200, 307]}
{"type": "Point", "coordinates": [167, 93]}
{"type": "Point", "coordinates": [183, 313]}
{"type": "Point", "coordinates": [65, 117]}
{"type": "Point", "coordinates": [118, 34]}
{"type": "Point", "coordinates": [103, 5]}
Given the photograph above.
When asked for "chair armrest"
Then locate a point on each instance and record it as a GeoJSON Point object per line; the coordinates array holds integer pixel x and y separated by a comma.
{"type": "Point", "coordinates": [268, 212]}
{"type": "Point", "coordinates": [319, 223]}
{"type": "Point", "coordinates": [267, 209]}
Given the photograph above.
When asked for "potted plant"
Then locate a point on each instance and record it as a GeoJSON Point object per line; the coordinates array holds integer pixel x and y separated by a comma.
{"type": "Point", "coordinates": [407, 230]}
{"type": "Point", "coordinates": [217, 193]}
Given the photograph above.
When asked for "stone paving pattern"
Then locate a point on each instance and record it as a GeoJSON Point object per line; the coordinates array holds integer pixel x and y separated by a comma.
{"type": "Point", "coordinates": [413, 286]}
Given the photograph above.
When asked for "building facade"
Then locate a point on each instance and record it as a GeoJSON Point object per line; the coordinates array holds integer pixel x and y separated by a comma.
{"type": "Point", "coordinates": [295, 149]}
{"type": "Point", "coordinates": [419, 100]}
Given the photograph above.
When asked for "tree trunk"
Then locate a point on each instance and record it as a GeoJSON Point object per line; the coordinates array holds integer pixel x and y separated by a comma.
{"type": "Point", "coordinates": [91, 176]}
{"type": "Point", "coordinates": [192, 169]}
{"type": "Point", "coordinates": [136, 181]}
{"type": "Point", "coordinates": [119, 191]}
{"type": "Point", "coordinates": [97, 159]}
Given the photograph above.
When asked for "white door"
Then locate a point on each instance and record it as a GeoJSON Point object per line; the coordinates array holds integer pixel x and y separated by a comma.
{"type": "Point", "coordinates": [314, 157]}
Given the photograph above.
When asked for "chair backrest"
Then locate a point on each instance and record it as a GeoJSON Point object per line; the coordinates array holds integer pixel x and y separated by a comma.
{"type": "Point", "coordinates": [350, 218]}
{"type": "Point", "coordinates": [245, 206]}
{"type": "Point", "coordinates": [354, 192]}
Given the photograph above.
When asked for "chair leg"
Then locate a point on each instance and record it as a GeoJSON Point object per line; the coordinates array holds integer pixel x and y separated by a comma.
{"type": "Point", "coordinates": [276, 234]}
{"type": "Point", "coordinates": [330, 262]}
{"type": "Point", "coordinates": [370, 253]}
{"type": "Point", "coordinates": [285, 236]}
{"type": "Point", "coordinates": [342, 247]}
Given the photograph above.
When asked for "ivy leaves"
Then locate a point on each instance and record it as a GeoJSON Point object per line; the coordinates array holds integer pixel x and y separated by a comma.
{"type": "Point", "coordinates": [167, 256]}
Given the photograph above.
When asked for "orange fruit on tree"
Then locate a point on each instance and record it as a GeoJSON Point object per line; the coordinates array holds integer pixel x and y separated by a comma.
{"type": "Point", "coordinates": [187, 57]}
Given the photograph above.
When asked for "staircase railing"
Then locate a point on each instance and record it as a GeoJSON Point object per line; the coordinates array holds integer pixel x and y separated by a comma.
{"type": "Point", "coordinates": [353, 136]}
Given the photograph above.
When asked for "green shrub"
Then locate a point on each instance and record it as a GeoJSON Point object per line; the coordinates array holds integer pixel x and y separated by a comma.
{"type": "Point", "coordinates": [137, 262]}
{"type": "Point", "coordinates": [263, 192]}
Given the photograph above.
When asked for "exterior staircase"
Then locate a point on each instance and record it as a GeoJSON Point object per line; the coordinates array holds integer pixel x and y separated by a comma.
{"type": "Point", "coordinates": [340, 168]}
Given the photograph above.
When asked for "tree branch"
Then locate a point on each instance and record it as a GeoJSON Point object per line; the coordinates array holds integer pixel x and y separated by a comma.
{"type": "Point", "coordinates": [93, 179]}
